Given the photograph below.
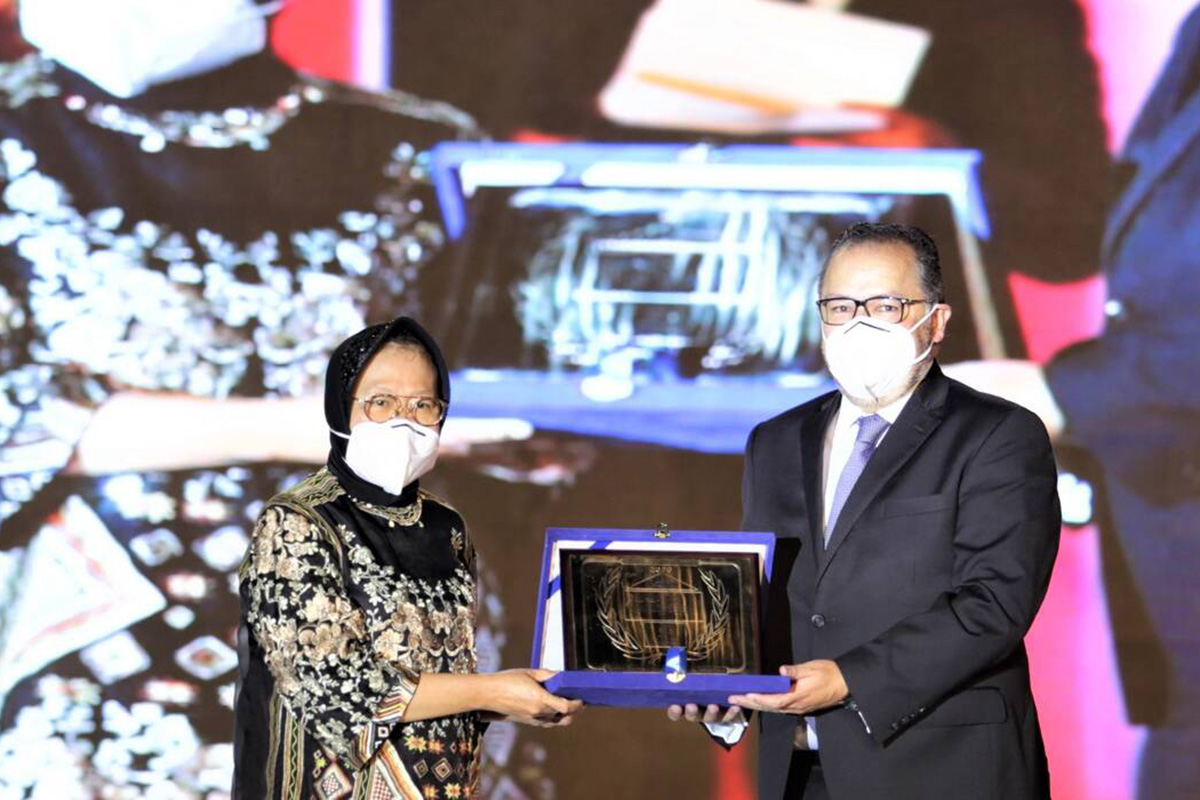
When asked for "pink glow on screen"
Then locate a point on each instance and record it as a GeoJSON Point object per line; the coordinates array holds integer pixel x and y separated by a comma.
{"type": "Point", "coordinates": [1130, 40]}
{"type": "Point", "coordinates": [733, 776]}
{"type": "Point", "coordinates": [1053, 316]}
{"type": "Point", "coordinates": [318, 36]}
{"type": "Point", "coordinates": [345, 40]}
{"type": "Point", "coordinates": [1091, 748]}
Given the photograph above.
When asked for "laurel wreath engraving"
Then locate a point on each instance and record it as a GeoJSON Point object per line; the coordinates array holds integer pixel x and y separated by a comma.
{"type": "Point", "coordinates": [628, 644]}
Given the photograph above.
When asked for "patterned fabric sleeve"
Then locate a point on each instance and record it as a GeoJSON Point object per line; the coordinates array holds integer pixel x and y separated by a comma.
{"type": "Point", "coordinates": [315, 640]}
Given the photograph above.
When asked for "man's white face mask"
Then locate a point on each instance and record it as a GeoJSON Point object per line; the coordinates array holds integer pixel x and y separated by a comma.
{"type": "Point", "coordinates": [391, 454]}
{"type": "Point", "coordinates": [126, 46]}
{"type": "Point", "coordinates": [869, 358]}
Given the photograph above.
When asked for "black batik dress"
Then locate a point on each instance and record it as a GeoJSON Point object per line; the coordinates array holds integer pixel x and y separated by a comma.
{"type": "Point", "coordinates": [345, 605]}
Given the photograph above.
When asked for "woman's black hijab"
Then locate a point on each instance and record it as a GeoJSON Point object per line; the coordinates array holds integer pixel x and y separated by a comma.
{"type": "Point", "coordinates": [345, 366]}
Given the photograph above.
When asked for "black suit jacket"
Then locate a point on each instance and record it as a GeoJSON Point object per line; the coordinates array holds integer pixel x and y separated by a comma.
{"type": "Point", "coordinates": [938, 563]}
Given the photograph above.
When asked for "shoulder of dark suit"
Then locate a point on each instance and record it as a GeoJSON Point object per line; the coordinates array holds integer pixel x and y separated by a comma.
{"type": "Point", "coordinates": [795, 415]}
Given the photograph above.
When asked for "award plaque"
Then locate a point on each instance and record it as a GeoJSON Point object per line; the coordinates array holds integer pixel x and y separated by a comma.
{"type": "Point", "coordinates": [624, 610]}
{"type": "Point", "coordinates": [651, 618]}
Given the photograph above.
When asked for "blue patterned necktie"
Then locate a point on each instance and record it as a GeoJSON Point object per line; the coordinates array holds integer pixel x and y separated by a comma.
{"type": "Point", "coordinates": [869, 430]}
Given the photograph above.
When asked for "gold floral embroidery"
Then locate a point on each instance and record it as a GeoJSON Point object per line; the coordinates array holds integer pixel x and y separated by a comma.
{"type": "Point", "coordinates": [418, 625]}
{"type": "Point", "coordinates": [405, 515]}
{"type": "Point", "coordinates": [315, 641]}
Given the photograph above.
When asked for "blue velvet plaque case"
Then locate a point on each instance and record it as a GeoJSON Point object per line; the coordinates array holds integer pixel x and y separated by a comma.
{"type": "Point", "coordinates": [656, 687]}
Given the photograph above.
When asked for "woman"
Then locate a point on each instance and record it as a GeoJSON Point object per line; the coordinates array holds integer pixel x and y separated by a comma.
{"type": "Point", "coordinates": [358, 603]}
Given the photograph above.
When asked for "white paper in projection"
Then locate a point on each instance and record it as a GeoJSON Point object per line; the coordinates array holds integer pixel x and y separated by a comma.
{"type": "Point", "coordinates": [753, 66]}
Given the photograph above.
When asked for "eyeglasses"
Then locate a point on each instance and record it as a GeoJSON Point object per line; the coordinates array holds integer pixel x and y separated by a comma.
{"type": "Point", "coordinates": [425, 411]}
{"type": "Point", "coordinates": [885, 308]}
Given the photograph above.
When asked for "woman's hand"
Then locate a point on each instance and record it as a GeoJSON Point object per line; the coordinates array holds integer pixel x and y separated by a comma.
{"type": "Point", "coordinates": [515, 695]}
{"type": "Point", "coordinates": [518, 695]}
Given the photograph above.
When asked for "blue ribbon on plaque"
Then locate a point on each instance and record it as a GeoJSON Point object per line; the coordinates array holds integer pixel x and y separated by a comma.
{"type": "Point", "coordinates": [675, 664]}
{"type": "Point", "coordinates": [651, 618]}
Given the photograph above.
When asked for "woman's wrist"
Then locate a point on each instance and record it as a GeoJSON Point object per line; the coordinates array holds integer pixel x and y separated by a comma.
{"type": "Point", "coordinates": [472, 692]}
{"type": "Point", "coordinates": [483, 692]}
{"type": "Point", "coordinates": [443, 694]}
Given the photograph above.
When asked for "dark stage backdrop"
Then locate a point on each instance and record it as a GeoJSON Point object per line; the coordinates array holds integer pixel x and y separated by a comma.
{"type": "Point", "coordinates": [617, 250]}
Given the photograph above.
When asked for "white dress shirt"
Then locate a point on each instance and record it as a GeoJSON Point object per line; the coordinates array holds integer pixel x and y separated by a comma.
{"type": "Point", "coordinates": [840, 439]}
{"type": "Point", "coordinates": [839, 444]}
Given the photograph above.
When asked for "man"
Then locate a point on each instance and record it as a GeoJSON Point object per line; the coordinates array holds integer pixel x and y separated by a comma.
{"type": "Point", "coordinates": [918, 522]}
{"type": "Point", "coordinates": [1130, 398]}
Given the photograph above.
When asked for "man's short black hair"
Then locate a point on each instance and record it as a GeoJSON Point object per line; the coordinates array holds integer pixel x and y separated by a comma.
{"type": "Point", "coordinates": [916, 239]}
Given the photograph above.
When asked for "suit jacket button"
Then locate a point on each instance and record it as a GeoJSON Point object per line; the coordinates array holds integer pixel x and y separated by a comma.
{"type": "Point", "coordinates": [817, 621]}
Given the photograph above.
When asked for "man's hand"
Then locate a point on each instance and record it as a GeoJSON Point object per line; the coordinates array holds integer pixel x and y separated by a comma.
{"type": "Point", "coordinates": [1022, 382]}
{"type": "Point", "coordinates": [713, 713]}
{"type": "Point", "coordinates": [817, 685]}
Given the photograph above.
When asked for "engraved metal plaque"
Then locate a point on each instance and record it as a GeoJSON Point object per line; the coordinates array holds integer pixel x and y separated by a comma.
{"type": "Point", "coordinates": [624, 609]}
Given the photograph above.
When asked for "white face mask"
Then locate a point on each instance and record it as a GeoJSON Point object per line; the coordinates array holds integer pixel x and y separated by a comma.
{"type": "Point", "coordinates": [391, 454]}
{"type": "Point", "coordinates": [125, 46]}
{"type": "Point", "coordinates": [868, 358]}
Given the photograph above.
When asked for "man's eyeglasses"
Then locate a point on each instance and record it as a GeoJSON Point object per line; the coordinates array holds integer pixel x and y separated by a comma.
{"type": "Point", "coordinates": [426, 411]}
{"type": "Point", "coordinates": [885, 308]}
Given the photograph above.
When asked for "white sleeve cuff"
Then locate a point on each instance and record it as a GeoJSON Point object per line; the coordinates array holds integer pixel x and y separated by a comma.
{"type": "Point", "coordinates": [728, 732]}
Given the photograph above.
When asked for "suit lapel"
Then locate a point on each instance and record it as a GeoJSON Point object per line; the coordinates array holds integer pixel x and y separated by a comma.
{"type": "Point", "coordinates": [1161, 135]}
{"type": "Point", "coordinates": [920, 417]}
{"type": "Point", "coordinates": [1173, 142]}
{"type": "Point", "coordinates": [812, 457]}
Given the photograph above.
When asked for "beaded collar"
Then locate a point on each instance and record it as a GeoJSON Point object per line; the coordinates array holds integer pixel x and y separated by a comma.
{"type": "Point", "coordinates": [237, 126]}
{"type": "Point", "coordinates": [231, 127]}
{"type": "Point", "coordinates": [33, 77]}
{"type": "Point", "coordinates": [395, 515]}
